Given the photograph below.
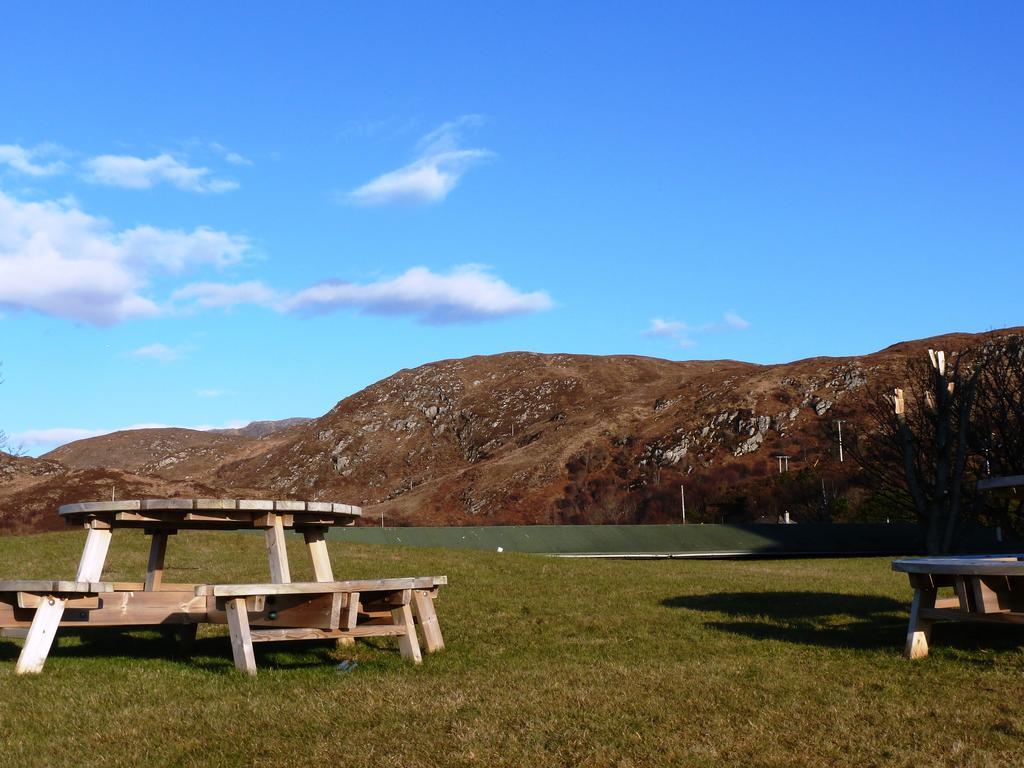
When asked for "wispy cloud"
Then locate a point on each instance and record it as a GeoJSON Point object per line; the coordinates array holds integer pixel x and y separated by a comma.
{"type": "Point", "coordinates": [224, 295]}
{"type": "Point", "coordinates": [25, 160]}
{"type": "Point", "coordinates": [143, 173]}
{"type": "Point", "coordinates": [673, 330]}
{"type": "Point", "coordinates": [682, 334]}
{"type": "Point", "coordinates": [58, 260]}
{"type": "Point", "coordinates": [440, 164]}
{"type": "Point", "coordinates": [466, 294]}
{"type": "Point", "coordinates": [160, 352]}
{"type": "Point", "coordinates": [211, 393]}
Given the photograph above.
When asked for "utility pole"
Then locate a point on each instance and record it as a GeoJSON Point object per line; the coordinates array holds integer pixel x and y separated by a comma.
{"type": "Point", "coordinates": [840, 423]}
{"type": "Point", "coordinates": [682, 498]}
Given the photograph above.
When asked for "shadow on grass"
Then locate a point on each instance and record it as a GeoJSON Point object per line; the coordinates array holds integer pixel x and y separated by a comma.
{"type": "Point", "coordinates": [832, 620]}
{"type": "Point", "coordinates": [211, 654]}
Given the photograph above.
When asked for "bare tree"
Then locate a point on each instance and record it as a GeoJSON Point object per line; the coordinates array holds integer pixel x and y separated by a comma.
{"type": "Point", "coordinates": [997, 430]}
{"type": "Point", "coordinates": [918, 449]}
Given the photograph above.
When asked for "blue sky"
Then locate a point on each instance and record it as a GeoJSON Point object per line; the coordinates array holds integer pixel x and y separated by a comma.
{"type": "Point", "coordinates": [210, 215]}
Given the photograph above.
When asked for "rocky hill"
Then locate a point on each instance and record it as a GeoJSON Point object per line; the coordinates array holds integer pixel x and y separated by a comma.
{"type": "Point", "coordinates": [521, 438]}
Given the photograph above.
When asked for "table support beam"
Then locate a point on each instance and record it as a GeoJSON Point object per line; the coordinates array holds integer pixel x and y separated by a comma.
{"type": "Point", "coordinates": [241, 639]}
{"type": "Point", "coordinates": [155, 569]}
{"type": "Point", "coordinates": [51, 609]}
{"type": "Point", "coordinates": [277, 553]}
{"type": "Point", "coordinates": [919, 630]}
{"type": "Point", "coordinates": [423, 606]}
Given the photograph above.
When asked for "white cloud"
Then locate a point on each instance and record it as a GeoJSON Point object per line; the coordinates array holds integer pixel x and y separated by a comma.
{"type": "Point", "coordinates": [22, 159]}
{"type": "Point", "coordinates": [468, 293]}
{"type": "Point", "coordinates": [159, 351]}
{"type": "Point", "coordinates": [732, 320]}
{"type": "Point", "coordinates": [212, 393]}
{"type": "Point", "coordinates": [661, 327]}
{"type": "Point", "coordinates": [236, 159]}
{"type": "Point", "coordinates": [144, 173]}
{"type": "Point", "coordinates": [224, 295]}
{"type": "Point", "coordinates": [673, 330]}
{"type": "Point", "coordinates": [58, 260]}
{"type": "Point", "coordinates": [429, 178]}
{"type": "Point", "coordinates": [682, 334]}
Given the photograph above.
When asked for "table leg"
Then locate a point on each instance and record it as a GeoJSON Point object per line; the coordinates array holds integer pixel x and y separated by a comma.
{"type": "Point", "coordinates": [919, 631]}
{"type": "Point", "coordinates": [407, 643]}
{"type": "Point", "coordinates": [316, 543]}
{"type": "Point", "coordinates": [155, 569]}
{"type": "Point", "coordinates": [423, 605]}
{"type": "Point", "coordinates": [51, 609]}
{"type": "Point", "coordinates": [241, 639]}
{"type": "Point", "coordinates": [277, 553]}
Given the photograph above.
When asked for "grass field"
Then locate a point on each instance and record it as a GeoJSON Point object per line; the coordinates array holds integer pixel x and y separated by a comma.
{"type": "Point", "coordinates": [549, 662]}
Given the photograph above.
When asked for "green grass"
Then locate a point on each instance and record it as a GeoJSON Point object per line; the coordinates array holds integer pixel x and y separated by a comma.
{"type": "Point", "coordinates": [549, 662]}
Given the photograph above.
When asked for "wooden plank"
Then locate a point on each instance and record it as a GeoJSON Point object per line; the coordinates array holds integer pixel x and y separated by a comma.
{"type": "Point", "coordinates": [45, 587]}
{"type": "Point", "coordinates": [282, 611]}
{"type": "Point", "coordinates": [407, 642]}
{"type": "Point", "coordinates": [426, 615]}
{"type": "Point", "coordinates": [350, 615]}
{"type": "Point", "coordinates": [211, 504]}
{"type": "Point", "coordinates": [319, 506]}
{"type": "Point", "coordinates": [988, 600]}
{"type": "Point", "coordinates": [241, 639]}
{"type": "Point", "coordinates": [962, 567]}
{"type": "Point", "coordinates": [162, 504]}
{"type": "Point", "coordinates": [955, 614]}
{"type": "Point", "coordinates": [289, 506]}
{"type": "Point", "coordinates": [40, 637]}
{"type": "Point", "coordinates": [90, 566]}
{"type": "Point", "coordinates": [293, 633]}
{"type": "Point", "coordinates": [277, 553]}
{"type": "Point", "coordinates": [963, 594]}
{"type": "Point", "coordinates": [919, 629]}
{"type": "Point", "coordinates": [155, 568]}
{"type": "Point", "coordinates": [30, 600]}
{"type": "Point", "coordinates": [120, 609]}
{"type": "Point", "coordinates": [256, 504]}
{"type": "Point", "coordinates": [253, 603]}
{"type": "Point", "coordinates": [86, 507]}
{"type": "Point", "coordinates": [317, 546]}
{"type": "Point", "coordinates": [316, 587]}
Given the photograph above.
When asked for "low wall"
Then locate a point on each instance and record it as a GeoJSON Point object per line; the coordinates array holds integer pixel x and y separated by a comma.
{"type": "Point", "coordinates": [644, 541]}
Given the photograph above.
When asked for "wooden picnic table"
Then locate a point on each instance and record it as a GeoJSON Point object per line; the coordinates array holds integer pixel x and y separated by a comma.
{"type": "Point", "coordinates": [280, 610]}
{"type": "Point", "coordinates": [987, 588]}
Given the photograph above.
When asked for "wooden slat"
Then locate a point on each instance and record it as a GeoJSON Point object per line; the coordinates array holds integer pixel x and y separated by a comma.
{"type": "Point", "coordinates": [990, 566]}
{"type": "Point", "coordinates": [316, 544]}
{"type": "Point", "coordinates": [48, 587]}
{"type": "Point", "coordinates": [295, 633]}
{"type": "Point", "coordinates": [154, 504]}
{"type": "Point", "coordinates": [86, 507]}
{"type": "Point", "coordinates": [317, 587]}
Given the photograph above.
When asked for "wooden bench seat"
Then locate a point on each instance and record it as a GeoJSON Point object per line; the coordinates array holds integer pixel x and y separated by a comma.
{"type": "Point", "coordinates": [319, 610]}
{"type": "Point", "coordinates": [985, 588]}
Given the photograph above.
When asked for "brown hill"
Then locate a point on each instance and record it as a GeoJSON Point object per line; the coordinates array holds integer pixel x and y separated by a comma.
{"type": "Point", "coordinates": [262, 428]}
{"type": "Point", "coordinates": [531, 438]}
